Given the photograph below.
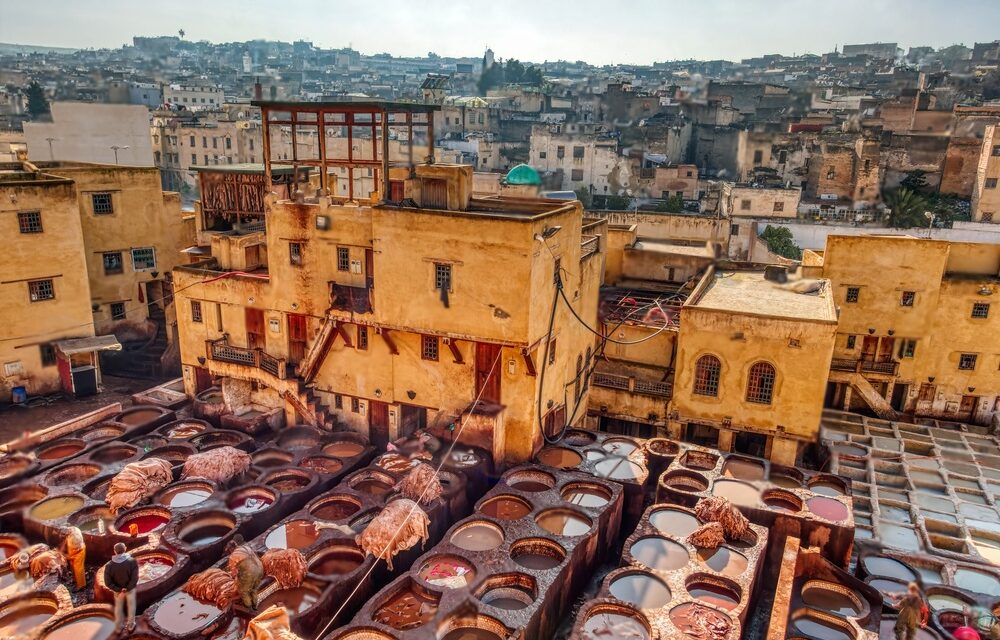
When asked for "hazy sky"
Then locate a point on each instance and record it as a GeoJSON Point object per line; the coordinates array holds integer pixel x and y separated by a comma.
{"type": "Point", "coordinates": [598, 31]}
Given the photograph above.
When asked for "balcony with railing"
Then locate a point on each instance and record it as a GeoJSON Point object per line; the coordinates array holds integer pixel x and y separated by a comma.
{"type": "Point", "coordinates": [632, 384]}
{"type": "Point", "coordinates": [589, 247]}
{"type": "Point", "coordinates": [882, 366]}
{"type": "Point", "coordinates": [221, 351]}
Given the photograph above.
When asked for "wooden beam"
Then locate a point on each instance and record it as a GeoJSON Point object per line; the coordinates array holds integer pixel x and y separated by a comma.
{"type": "Point", "coordinates": [528, 362]}
{"type": "Point", "coordinates": [343, 332]}
{"type": "Point", "coordinates": [455, 352]}
{"type": "Point", "coordinates": [389, 342]}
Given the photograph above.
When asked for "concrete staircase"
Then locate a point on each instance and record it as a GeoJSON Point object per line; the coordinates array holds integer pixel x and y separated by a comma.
{"type": "Point", "coordinates": [859, 385]}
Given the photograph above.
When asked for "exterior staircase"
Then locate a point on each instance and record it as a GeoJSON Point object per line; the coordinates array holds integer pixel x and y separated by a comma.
{"type": "Point", "coordinates": [879, 405]}
{"type": "Point", "coordinates": [140, 359]}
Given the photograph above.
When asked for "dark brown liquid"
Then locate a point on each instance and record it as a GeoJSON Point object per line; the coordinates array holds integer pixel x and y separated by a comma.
{"type": "Point", "coordinates": [830, 600]}
{"type": "Point", "coordinates": [335, 510]}
{"type": "Point", "coordinates": [537, 561]}
{"type": "Point", "coordinates": [820, 629]}
{"type": "Point", "coordinates": [372, 487]}
{"type": "Point", "coordinates": [271, 460]}
{"type": "Point", "coordinates": [697, 621]}
{"type": "Point", "coordinates": [182, 614]}
{"type": "Point", "coordinates": [288, 484]}
{"type": "Point", "coordinates": [505, 508]}
{"type": "Point", "coordinates": [471, 634]}
{"type": "Point", "coordinates": [724, 560]}
{"type": "Point", "coordinates": [140, 417]}
{"type": "Point", "coordinates": [530, 486]}
{"type": "Point", "coordinates": [60, 451]}
{"type": "Point", "coordinates": [559, 457]}
{"type": "Point", "coordinates": [322, 465]}
{"type": "Point", "coordinates": [827, 508]}
{"type": "Point", "coordinates": [89, 628]}
{"type": "Point", "coordinates": [24, 619]}
{"type": "Point", "coordinates": [477, 537]}
{"type": "Point", "coordinates": [8, 551]}
{"type": "Point", "coordinates": [343, 449]}
{"type": "Point", "coordinates": [336, 563]}
{"type": "Point", "coordinates": [185, 431]}
{"type": "Point", "coordinates": [297, 534]}
{"type": "Point", "coordinates": [613, 625]}
{"type": "Point", "coordinates": [674, 522]}
{"type": "Point", "coordinates": [642, 590]}
{"type": "Point", "coordinates": [660, 553]}
{"type": "Point", "coordinates": [406, 610]}
{"type": "Point", "coordinates": [563, 523]}
{"type": "Point", "coordinates": [713, 594]}
{"type": "Point", "coordinates": [743, 469]}
{"type": "Point", "coordinates": [294, 601]}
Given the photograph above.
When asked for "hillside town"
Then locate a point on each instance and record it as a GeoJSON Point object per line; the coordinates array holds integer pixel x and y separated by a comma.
{"type": "Point", "coordinates": [306, 343]}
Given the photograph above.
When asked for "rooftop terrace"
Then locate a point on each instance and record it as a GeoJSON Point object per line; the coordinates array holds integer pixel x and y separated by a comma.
{"type": "Point", "coordinates": [748, 292]}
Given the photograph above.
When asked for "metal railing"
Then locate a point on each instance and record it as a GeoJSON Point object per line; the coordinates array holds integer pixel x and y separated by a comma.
{"type": "Point", "coordinates": [885, 366]}
{"type": "Point", "coordinates": [611, 380]}
{"type": "Point", "coordinates": [221, 351]}
{"type": "Point", "coordinates": [630, 383]}
{"type": "Point", "coordinates": [652, 388]}
{"type": "Point", "coordinates": [589, 247]}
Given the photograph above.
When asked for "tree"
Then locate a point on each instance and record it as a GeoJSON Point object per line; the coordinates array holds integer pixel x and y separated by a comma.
{"type": "Point", "coordinates": [492, 77]}
{"type": "Point", "coordinates": [583, 195]}
{"type": "Point", "coordinates": [673, 204]}
{"type": "Point", "coordinates": [272, 91]}
{"type": "Point", "coordinates": [780, 241]}
{"type": "Point", "coordinates": [617, 203]}
{"type": "Point", "coordinates": [915, 181]}
{"type": "Point", "coordinates": [906, 208]}
{"type": "Point", "coordinates": [37, 104]}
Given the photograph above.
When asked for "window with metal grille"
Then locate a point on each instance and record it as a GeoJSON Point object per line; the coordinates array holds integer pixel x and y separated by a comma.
{"type": "Point", "coordinates": [578, 152]}
{"type": "Point", "coordinates": [30, 221]}
{"type": "Point", "coordinates": [338, 401]}
{"type": "Point", "coordinates": [980, 309]}
{"type": "Point", "coordinates": [907, 298]}
{"type": "Point", "coordinates": [560, 152]}
{"type": "Point", "coordinates": [987, 216]}
{"type": "Point", "coordinates": [40, 290]}
{"type": "Point", "coordinates": [760, 383]}
{"type": "Point", "coordinates": [47, 353]}
{"type": "Point", "coordinates": [853, 293]}
{"type": "Point", "coordinates": [362, 337]}
{"type": "Point", "coordinates": [144, 259]}
{"type": "Point", "coordinates": [851, 341]}
{"type": "Point", "coordinates": [552, 351]}
{"type": "Point", "coordinates": [429, 347]}
{"type": "Point", "coordinates": [779, 206]}
{"type": "Point", "coordinates": [706, 376]}
{"type": "Point", "coordinates": [113, 263]}
{"type": "Point", "coordinates": [117, 310]}
{"type": "Point", "coordinates": [102, 203]}
{"type": "Point", "coordinates": [967, 361]}
{"type": "Point", "coordinates": [734, 229]}
{"type": "Point", "coordinates": [442, 276]}
{"type": "Point", "coordinates": [991, 183]}
{"type": "Point", "coordinates": [355, 405]}
{"type": "Point", "coordinates": [576, 175]}
{"type": "Point", "coordinates": [343, 259]}
{"type": "Point", "coordinates": [195, 311]}
{"type": "Point", "coordinates": [295, 253]}
{"type": "Point", "coordinates": [907, 348]}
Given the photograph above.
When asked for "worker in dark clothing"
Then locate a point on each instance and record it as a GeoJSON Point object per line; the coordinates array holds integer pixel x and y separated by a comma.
{"type": "Point", "coordinates": [121, 575]}
{"type": "Point", "coordinates": [912, 613]}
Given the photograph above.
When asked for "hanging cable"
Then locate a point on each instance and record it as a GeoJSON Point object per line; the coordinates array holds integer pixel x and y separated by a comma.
{"type": "Point", "coordinates": [666, 324]}
{"type": "Point", "coordinates": [545, 362]}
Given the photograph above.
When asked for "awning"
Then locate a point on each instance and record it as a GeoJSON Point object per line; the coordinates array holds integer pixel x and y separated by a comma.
{"type": "Point", "coordinates": [196, 250]}
{"type": "Point", "coordinates": [88, 345]}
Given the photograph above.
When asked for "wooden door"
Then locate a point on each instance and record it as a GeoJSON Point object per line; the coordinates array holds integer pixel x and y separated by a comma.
{"type": "Point", "coordinates": [255, 329]}
{"type": "Point", "coordinates": [885, 346]}
{"type": "Point", "coordinates": [434, 193]}
{"type": "Point", "coordinates": [968, 407]}
{"type": "Point", "coordinates": [378, 423]}
{"type": "Point", "coordinates": [296, 338]}
{"type": "Point", "coordinates": [488, 367]}
{"type": "Point", "coordinates": [869, 348]}
{"type": "Point", "coordinates": [202, 379]}
{"type": "Point", "coordinates": [412, 419]}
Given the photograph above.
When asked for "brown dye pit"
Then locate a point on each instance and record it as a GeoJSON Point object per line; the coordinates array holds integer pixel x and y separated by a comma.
{"type": "Point", "coordinates": [24, 619]}
{"type": "Point", "coordinates": [10, 468]}
{"type": "Point", "coordinates": [336, 508]}
{"type": "Point", "coordinates": [141, 416]}
{"type": "Point", "coordinates": [614, 625]}
{"type": "Point", "coordinates": [530, 481]}
{"type": "Point", "coordinates": [827, 508]}
{"type": "Point", "coordinates": [715, 594]}
{"type": "Point", "coordinates": [59, 451]}
{"type": "Point", "coordinates": [199, 535]}
{"type": "Point", "coordinates": [505, 507]}
{"type": "Point", "coordinates": [724, 560]}
{"type": "Point", "coordinates": [182, 614]}
{"type": "Point", "coordinates": [530, 486]}
{"type": "Point", "coordinates": [55, 508]}
{"type": "Point", "coordinates": [659, 553]}
{"type": "Point", "coordinates": [447, 571]}
{"type": "Point", "coordinates": [619, 447]}
{"type": "Point", "coordinates": [409, 608]}
{"type": "Point", "coordinates": [343, 449]}
{"type": "Point", "coordinates": [827, 488]}
{"type": "Point", "coordinates": [478, 536]}
{"type": "Point", "coordinates": [86, 628]}
{"type": "Point", "coordinates": [322, 464]}
{"type": "Point", "coordinates": [153, 567]}
{"type": "Point", "coordinates": [820, 629]}
{"type": "Point", "coordinates": [697, 621]}
{"type": "Point", "coordinates": [471, 633]}
{"type": "Point", "coordinates": [294, 600]}
{"type": "Point", "coordinates": [563, 522]}
{"type": "Point", "coordinates": [537, 554]}
{"type": "Point", "coordinates": [287, 482]}
{"type": "Point", "coordinates": [72, 475]}
{"type": "Point", "coordinates": [686, 481]}
{"type": "Point", "coordinates": [888, 568]}
{"type": "Point", "coordinates": [674, 522]}
{"type": "Point", "coordinates": [559, 457]}
{"type": "Point", "coordinates": [372, 487]}
{"type": "Point", "coordinates": [269, 459]}
{"type": "Point", "coordinates": [742, 469]}
{"type": "Point", "coordinates": [185, 430]}
{"type": "Point", "coordinates": [830, 598]}
{"type": "Point", "coordinates": [297, 534]}
{"type": "Point", "coordinates": [618, 468]}
{"type": "Point", "coordinates": [641, 589]}
{"type": "Point", "coordinates": [739, 493]}
{"type": "Point", "coordinates": [586, 495]}
{"type": "Point", "coordinates": [336, 561]}
{"type": "Point", "coordinates": [578, 438]}
{"type": "Point", "coordinates": [701, 460]}
{"type": "Point", "coordinates": [783, 501]}
{"type": "Point", "coordinates": [784, 481]}
{"type": "Point", "coordinates": [8, 550]}
{"type": "Point", "coordinates": [186, 495]}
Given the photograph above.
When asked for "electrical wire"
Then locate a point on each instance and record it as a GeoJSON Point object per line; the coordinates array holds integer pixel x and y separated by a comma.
{"type": "Point", "coordinates": [666, 324]}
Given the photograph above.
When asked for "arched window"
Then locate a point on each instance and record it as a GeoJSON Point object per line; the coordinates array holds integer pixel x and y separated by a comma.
{"type": "Point", "coordinates": [587, 368]}
{"type": "Point", "coordinates": [760, 383]}
{"type": "Point", "coordinates": [579, 376]}
{"type": "Point", "coordinates": [706, 376]}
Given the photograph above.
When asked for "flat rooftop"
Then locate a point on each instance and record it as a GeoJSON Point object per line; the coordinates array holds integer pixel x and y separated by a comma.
{"type": "Point", "coordinates": [666, 247]}
{"type": "Point", "coordinates": [348, 103]}
{"type": "Point", "coordinates": [748, 292]}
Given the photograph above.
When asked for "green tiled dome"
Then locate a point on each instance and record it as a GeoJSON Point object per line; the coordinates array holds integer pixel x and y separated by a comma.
{"type": "Point", "coordinates": [523, 174]}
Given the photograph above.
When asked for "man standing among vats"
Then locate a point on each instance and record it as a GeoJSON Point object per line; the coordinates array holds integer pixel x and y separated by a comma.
{"type": "Point", "coordinates": [121, 576]}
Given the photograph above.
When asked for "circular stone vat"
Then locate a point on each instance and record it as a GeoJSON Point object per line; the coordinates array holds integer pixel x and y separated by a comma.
{"type": "Point", "coordinates": [530, 480]}
{"type": "Point", "coordinates": [538, 554]}
{"type": "Point", "coordinates": [594, 455]}
{"type": "Point", "coordinates": [724, 560]}
{"type": "Point", "coordinates": [450, 572]}
{"type": "Point", "coordinates": [786, 478]}
{"type": "Point", "coordinates": [700, 460]}
{"type": "Point", "coordinates": [619, 446]}
{"type": "Point", "coordinates": [336, 560]}
{"type": "Point", "coordinates": [559, 457]}
{"type": "Point", "coordinates": [72, 475]}
{"type": "Point", "coordinates": [374, 483]}
{"type": "Point", "coordinates": [505, 507]}
{"type": "Point", "coordinates": [949, 600]}
{"type": "Point", "coordinates": [56, 508]}
{"type": "Point", "coordinates": [296, 438]}
{"type": "Point", "coordinates": [408, 607]}
{"type": "Point", "coordinates": [611, 620]}
{"type": "Point", "coordinates": [181, 614]}
{"type": "Point", "coordinates": [662, 447]}
{"type": "Point", "coordinates": [784, 501]}
{"type": "Point", "coordinates": [250, 499]}
{"type": "Point", "coordinates": [472, 627]}
{"type": "Point", "coordinates": [97, 489]}
{"type": "Point", "coordinates": [509, 591]}
{"type": "Point", "coordinates": [24, 613]}
{"type": "Point", "coordinates": [659, 553]}
{"type": "Point", "coordinates": [739, 493]}
{"type": "Point", "coordinates": [144, 519]}
{"type": "Point", "coordinates": [214, 439]}
{"type": "Point", "coordinates": [579, 438]}
{"type": "Point", "coordinates": [977, 581]}
{"type": "Point", "coordinates": [617, 468]}
{"type": "Point", "coordinates": [827, 486]}
{"type": "Point", "coordinates": [204, 528]}
{"type": "Point", "coordinates": [295, 534]}
{"type": "Point", "coordinates": [834, 598]}
{"type": "Point", "coordinates": [641, 589]}
{"type": "Point", "coordinates": [827, 508]}
{"type": "Point", "coordinates": [268, 458]}
{"type": "Point", "coordinates": [674, 522]}
{"type": "Point", "coordinates": [685, 481]}
{"type": "Point", "coordinates": [153, 565]}
{"type": "Point", "coordinates": [295, 600]}
{"type": "Point", "coordinates": [691, 619]}
{"type": "Point", "coordinates": [742, 468]}
{"type": "Point", "coordinates": [882, 566]}
{"type": "Point", "coordinates": [364, 633]}
{"type": "Point", "coordinates": [113, 453]}
{"type": "Point", "coordinates": [718, 592]}
{"type": "Point", "coordinates": [586, 494]}
{"type": "Point", "coordinates": [813, 626]}
{"type": "Point", "coordinates": [288, 480]}
{"type": "Point", "coordinates": [343, 449]}
{"type": "Point", "coordinates": [564, 522]}
{"type": "Point", "coordinates": [61, 449]}
{"type": "Point", "coordinates": [186, 493]}
{"type": "Point", "coordinates": [85, 623]}
{"type": "Point", "coordinates": [183, 429]}
{"type": "Point", "coordinates": [150, 442]}
{"type": "Point", "coordinates": [335, 507]}
{"type": "Point", "coordinates": [477, 535]}
{"type": "Point", "coordinates": [140, 415]}
{"type": "Point", "coordinates": [102, 431]}
{"type": "Point", "coordinates": [10, 468]}
{"type": "Point", "coordinates": [322, 464]}
{"type": "Point", "coordinates": [175, 454]}
{"type": "Point", "coordinates": [95, 520]}
{"type": "Point", "coordinates": [10, 545]}
{"type": "Point", "coordinates": [850, 449]}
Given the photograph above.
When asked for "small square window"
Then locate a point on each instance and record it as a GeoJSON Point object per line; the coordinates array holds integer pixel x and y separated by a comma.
{"type": "Point", "coordinates": [560, 152]}
{"type": "Point", "coordinates": [362, 337]}
{"type": "Point", "coordinates": [338, 401]}
{"type": "Point", "coordinates": [343, 259]}
{"type": "Point", "coordinates": [195, 311]}
{"type": "Point", "coordinates": [552, 351]}
{"type": "Point", "coordinates": [30, 222]}
{"type": "Point", "coordinates": [578, 152]}
{"type": "Point", "coordinates": [987, 216]}
{"type": "Point", "coordinates": [355, 405]}
{"type": "Point", "coordinates": [967, 361]}
{"type": "Point", "coordinates": [907, 299]}
{"type": "Point", "coordinates": [429, 347]}
{"type": "Point", "coordinates": [541, 155]}
{"type": "Point", "coordinates": [852, 294]}
{"type": "Point", "coordinates": [996, 149]}
{"type": "Point", "coordinates": [442, 276]}
{"type": "Point", "coordinates": [113, 263]}
{"type": "Point", "coordinates": [831, 173]}
{"type": "Point", "coordinates": [295, 253]}
{"type": "Point", "coordinates": [907, 348]}
{"type": "Point", "coordinates": [39, 290]}
{"type": "Point", "coordinates": [144, 259]}
{"type": "Point", "coordinates": [102, 203]}
{"type": "Point", "coordinates": [758, 156]}
{"type": "Point", "coordinates": [576, 175]}
{"type": "Point", "coordinates": [991, 183]}
{"type": "Point", "coordinates": [47, 353]}
{"type": "Point", "coordinates": [851, 341]}
{"type": "Point", "coordinates": [117, 310]}
{"type": "Point", "coordinates": [734, 229]}
{"type": "Point", "coordinates": [779, 206]}
{"type": "Point", "coordinates": [981, 310]}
